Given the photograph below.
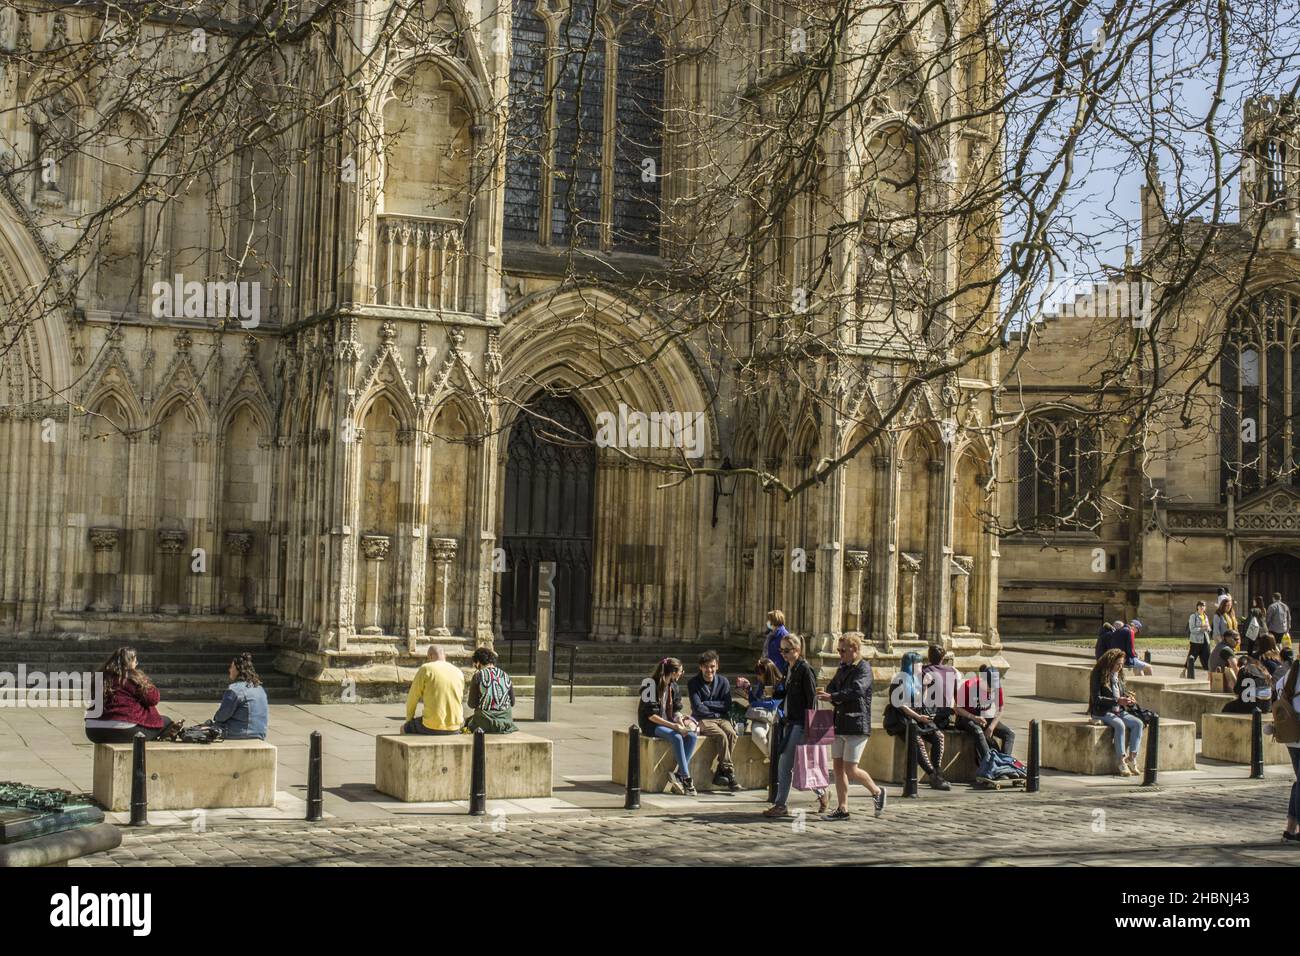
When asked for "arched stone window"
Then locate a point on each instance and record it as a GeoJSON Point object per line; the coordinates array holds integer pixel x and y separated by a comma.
{"type": "Point", "coordinates": [1260, 389]}
{"type": "Point", "coordinates": [586, 125]}
{"type": "Point", "coordinates": [1057, 470]}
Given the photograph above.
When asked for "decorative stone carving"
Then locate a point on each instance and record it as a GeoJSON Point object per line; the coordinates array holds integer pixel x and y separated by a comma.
{"type": "Point", "coordinates": [375, 546]}
{"type": "Point", "coordinates": [747, 559]}
{"type": "Point", "coordinates": [776, 557]}
{"type": "Point", "coordinates": [239, 542]}
{"type": "Point", "coordinates": [855, 562]}
{"type": "Point", "coordinates": [105, 539]}
{"type": "Point", "coordinates": [170, 541]}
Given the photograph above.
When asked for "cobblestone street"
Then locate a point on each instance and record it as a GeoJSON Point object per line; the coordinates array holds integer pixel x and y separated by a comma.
{"type": "Point", "coordinates": [1175, 826]}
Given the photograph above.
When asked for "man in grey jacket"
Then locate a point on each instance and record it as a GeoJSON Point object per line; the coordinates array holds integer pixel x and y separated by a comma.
{"type": "Point", "coordinates": [1278, 617]}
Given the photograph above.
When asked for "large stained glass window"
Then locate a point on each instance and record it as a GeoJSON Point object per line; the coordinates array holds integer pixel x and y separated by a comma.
{"type": "Point", "coordinates": [584, 154]}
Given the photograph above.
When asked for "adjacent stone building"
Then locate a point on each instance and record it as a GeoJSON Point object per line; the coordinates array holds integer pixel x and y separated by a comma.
{"type": "Point", "coordinates": [361, 470]}
{"type": "Point", "coordinates": [1209, 496]}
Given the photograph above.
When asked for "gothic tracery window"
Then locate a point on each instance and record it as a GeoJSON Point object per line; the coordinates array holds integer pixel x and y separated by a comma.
{"type": "Point", "coordinates": [1057, 471]}
{"type": "Point", "coordinates": [584, 160]}
{"type": "Point", "coordinates": [1260, 395]}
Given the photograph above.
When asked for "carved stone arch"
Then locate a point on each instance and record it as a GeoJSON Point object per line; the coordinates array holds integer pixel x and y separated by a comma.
{"type": "Point", "coordinates": [181, 377]}
{"type": "Point", "coordinates": [195, 411]}
{"type": "Point", "coordinates": [386, 372]}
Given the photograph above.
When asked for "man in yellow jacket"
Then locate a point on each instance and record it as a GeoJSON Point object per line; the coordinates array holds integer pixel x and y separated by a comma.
{"type": "Point", "coordinates": [441, 686]}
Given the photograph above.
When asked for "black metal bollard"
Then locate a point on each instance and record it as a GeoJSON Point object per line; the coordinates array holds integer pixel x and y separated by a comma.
{"type": "Point", "coordinates": [1191, 667]}
{"type": "Point", "coordinates": [775, 740]}
{"type": "Point", "coordinates": [633, 799]}
{"type": "Point", "coordinates": [478, 776]}
{"type": "Point", "coordinates": [1256, 744]}
{"type": "Point", "coordinates": [139, 784]}
{"type": "Point", "coordinates": [1035, 757]}
{"type": "Point", "coordinates": [315, 785]}
{"type": "Point", "coordinates": [1153, 752]}
{"type": "Point", "coordinates": [911, 787]}
{"type": "Point", "coordinates": [1147, 657]}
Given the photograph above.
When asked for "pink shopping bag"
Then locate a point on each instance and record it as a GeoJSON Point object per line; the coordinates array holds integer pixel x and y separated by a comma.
{"type": "Point", "coordinates": [811, 763]}
{"type": "Point", "coordinates": [819, 726]}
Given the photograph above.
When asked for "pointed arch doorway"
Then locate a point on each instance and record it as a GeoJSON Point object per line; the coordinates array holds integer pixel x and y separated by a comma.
{"type": "Point", "coordinates": [1276, 572]}
{"type": "Point", "coordinates": [549, 515]}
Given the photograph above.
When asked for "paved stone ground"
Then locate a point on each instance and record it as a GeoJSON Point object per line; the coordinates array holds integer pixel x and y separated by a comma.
{"type": "Point", "coordinates": [583, 821]}
{"type": "Point", "coordinates": [1180, 826]}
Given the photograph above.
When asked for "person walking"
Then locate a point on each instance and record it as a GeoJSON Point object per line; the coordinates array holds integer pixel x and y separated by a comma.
{"type": "Point", "coordinates": [800, 694]}
{"type": "Point", "coordinates": [1278, 618]}
{"type": "Point", "coordinates": [1255, 625]}
{"type": "Point", "coordinates": [1285, 709]}
{"type": "Point", "coordinates": [659, 715]}
{"type": "Point", "coordinates": [1199, 632]}
{"type": "Point", "coordinates": [849, 692]}
{"type": "Point", "coordinates": [1109, 702]}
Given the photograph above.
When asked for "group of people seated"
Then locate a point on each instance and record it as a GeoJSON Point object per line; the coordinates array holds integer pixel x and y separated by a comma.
{"type": "Point", "coordinates": [1122, 637]}
{"type": "Point", "coordinates": [130, 704]}
{"type": "Point", "coordinates": [931, 698]}
{"type": "Point", "coordinates": [438, 691]}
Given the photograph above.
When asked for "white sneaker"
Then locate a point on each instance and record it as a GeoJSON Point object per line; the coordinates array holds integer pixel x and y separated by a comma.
{"type": "Point", "coordinates": [675, 784]}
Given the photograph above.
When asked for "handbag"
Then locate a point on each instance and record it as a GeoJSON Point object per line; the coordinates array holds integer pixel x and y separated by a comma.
{"type": "Point", "coordinates": [1141, 713]}
{"type": "Point", "coordinates": [761, 715]}
{"type": "Point", "coordinates": [819, 726]}
{"type": "Point", "coordinates": [810, 767]}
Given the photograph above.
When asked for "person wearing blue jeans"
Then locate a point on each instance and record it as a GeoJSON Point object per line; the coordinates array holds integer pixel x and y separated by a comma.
{"type": "Point", "coordinates": [800, 693]}
{"type": "Point", "coordinates": [660, 715]}
{"type": "Point", "coordinates": [1288, 689]}
{"type": "Point", "coordinates": [1107, 701]}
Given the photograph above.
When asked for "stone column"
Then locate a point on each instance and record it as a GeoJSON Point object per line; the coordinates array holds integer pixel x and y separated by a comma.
{"type": "Point", "coordinates": [442, 552]}
{"type": "Point", "coordinates": [909, 569]}
{"type": "Point", "coordinates": [234, 571]}
{"type": "Point", "coordinates": [885, 609]}
{"type": "Point", "coordinates": [374, 547]}
{"type": "Point", "coordinates": [937, 609]}
{"type": "Point", "coordinates": [169, 546]}
{"type": "Point", "coordinates": [748, 589]}
{"type": "Point", "coordinates": [104, 542]}
{"type": "Point", "coordinates": [855, 563]}
{"type": "Point", "coordinates": [776, 597]}
{"type": "Point", "coordinates": [962, 566]}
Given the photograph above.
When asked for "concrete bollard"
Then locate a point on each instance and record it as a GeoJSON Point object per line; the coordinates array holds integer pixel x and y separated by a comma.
{"type": "Point", "coordinates": [315, 786]}
{"type": "Point", "coordinates": [911, 786]}
{"type": "Point", "coordinates": [1153, 752]}
{"type": "Point", "coordinates": [478, 776]}
{"type": "Point", "coordinates": [1256, 744]}
{"type": "Point", "coordinates": [1035, 757]}
{"type": "Point", "coordinates": [139, 783]}
{"type": "Point", "coordinates": [633, 799]}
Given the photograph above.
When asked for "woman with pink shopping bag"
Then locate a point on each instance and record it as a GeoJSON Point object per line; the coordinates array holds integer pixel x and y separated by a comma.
{"type": "Point", "coordinates": [800, 694]}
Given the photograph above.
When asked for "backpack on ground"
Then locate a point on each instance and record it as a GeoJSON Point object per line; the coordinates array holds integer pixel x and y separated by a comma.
{"type": "Point", "coordinates": [1286, 722]}
{"type": "Point", "coordinates": [1000, 766]}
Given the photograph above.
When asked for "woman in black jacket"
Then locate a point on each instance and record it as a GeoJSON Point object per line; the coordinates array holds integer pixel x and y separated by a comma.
{"type": "Point", "coordinates": [1109, 701]}
{"type": "Point", "coordinates": [800, 695]}
{"type": "Point", "coordinates": [660, 715]}
{"type": "Point", "coordinates": [850, 693]}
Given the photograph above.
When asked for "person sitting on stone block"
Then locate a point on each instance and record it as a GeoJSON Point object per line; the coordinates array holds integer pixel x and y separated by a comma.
{"type": "Point", "coordinates": [244, 712]}
{"type": "Point", "coordinates": [710, 702]}
{"type": "Point", "coordinates": [1223, 660]}
{"type": "Point", "coordinates": [492, 695]}
{"type": "Point", "coordinates": [659, 714]}
{"type": "Point", "coordinates": [979, 712]}
{"type": "Point", "coordinates": [764, 709]}
{"type": "Point", "coordinates": [441, 687]}
{"type": "Point", "coordinates": [130, 704]}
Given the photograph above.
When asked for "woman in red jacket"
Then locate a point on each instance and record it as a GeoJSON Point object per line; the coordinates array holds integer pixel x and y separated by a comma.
{"type": "Point", "coordinates": [130, 703]}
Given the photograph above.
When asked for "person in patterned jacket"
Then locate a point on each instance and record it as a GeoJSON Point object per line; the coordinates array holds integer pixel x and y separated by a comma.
{"type": "Point", "coordinates": [492, 696]}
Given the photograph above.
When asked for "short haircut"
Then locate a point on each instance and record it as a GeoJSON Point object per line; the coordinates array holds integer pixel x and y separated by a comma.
{"type": "Point", "coordinates": [708, 657]}
{"type": "Point", "coordinates": [777, 618]}
{"type": "Point", "coordinates": [1276, 596]}
{"type": "Point", "coordinates": [794, 640]}
{"type": "Point", "coordinates": [485, 656]}
{"type": "Point", "coordinates": [853, 640]}
{"type": "Point", "coordinates": [935, 653]}
{"type": "Point", "coordinates": [1230, 633]}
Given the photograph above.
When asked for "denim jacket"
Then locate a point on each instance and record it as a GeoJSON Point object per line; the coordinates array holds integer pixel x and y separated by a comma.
{"type": "Point", "coordinates": [243, 712]}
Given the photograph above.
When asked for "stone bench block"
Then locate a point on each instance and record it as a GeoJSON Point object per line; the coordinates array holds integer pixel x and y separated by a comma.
{"type": "Point", "coordinates": [232, 773]}
{"type": "Point", "coordinates": [421, 769]}
{"type": "Point", "coordinates": [657, 761]}
{"type": "Point", "coordinates": [1062, 681]}
{"type": "Point", "coordinates": [886, 757]}
{"type": "Point", "coordinates": [1227, 737]}
{"type": "Point", "coordinates": [1186, 704]}
{"type": "Point", "coordinates": [1079, 746]}
{"type": "Point", "coordinates": [1148, 690]}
